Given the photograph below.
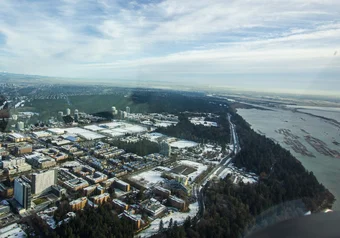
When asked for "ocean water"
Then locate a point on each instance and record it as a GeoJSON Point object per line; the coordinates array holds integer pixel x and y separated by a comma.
{"type": "Point", "coordinates": [325, 168]}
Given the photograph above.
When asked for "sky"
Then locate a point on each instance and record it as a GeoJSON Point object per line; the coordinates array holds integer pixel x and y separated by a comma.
{"type": "Point", "coordinates": [252, 44]}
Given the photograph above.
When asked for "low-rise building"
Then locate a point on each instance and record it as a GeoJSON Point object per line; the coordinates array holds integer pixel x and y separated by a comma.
{"type": "Point", "coordinates": [89, 190]}
{"type": "Point", "coordinates": [15, 165]}
{"type": "Point", "coordinates": [11, 231]}
{"type": "Point", "coordinates": [121, 185]}
{"type": "Point", "coordinates": [119, 205]}
{"type": "Point", "coordinates": [136, 219]}
{"type": "Point", "coordinates": [5, 191]}
{"type": "Point", "coordinates": [177, 202]}
{"type": "Point", "coordinates": [4, 209]}
{"type": "Point", "coordinates": [97, 177]}
{"type": "Point", "coordinates": [163, 192]}
{"type": "Point", "coordinates": [23, 149]}
{"type": "Point", "coordinates": [154, 208]}
{"type": "Point", "coordinates": [108, 183]}
{"type": "Point", "coordinates": [100, 199]}
{"type": "Point", "coordinates": [76, 184]}
{"type": "Point", "coordinates": [78, 204]}
{"type": "Point", "coordinates": [55, 154]}
{"type": "Point", "coordinates": [16, 137]}
{"type": "Point", "coordinates": [40, 161]}
{"type": "Point", "coordinates": [58, 190]}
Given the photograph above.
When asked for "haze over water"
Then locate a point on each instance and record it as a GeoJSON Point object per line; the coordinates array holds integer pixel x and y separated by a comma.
{"type": "Point", "coordinates": [325, 168]}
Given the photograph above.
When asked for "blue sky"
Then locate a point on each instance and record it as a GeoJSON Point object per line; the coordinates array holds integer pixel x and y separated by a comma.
{"type": "Point", "coordinates": [251, 44]}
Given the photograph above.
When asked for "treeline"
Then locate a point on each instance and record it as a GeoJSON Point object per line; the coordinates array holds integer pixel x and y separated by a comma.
{"type": "Point", "coordinates": [95, 223]}
{"type": "Point", "coordinates": [141, 147]}
{"type": "Point", "coordinates": [176, 102]}
{"type": "Point", "coordinates": [285, 190]}
{"type": "Point", "coordinates": [283, 175]}
{"type": "Point", "coordinates": [199, 133]}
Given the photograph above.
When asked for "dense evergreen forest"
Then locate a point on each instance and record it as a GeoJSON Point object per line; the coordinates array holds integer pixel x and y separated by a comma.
{"type": "Point", "coordinates": [199, 133]}
{"type": "Point", "coordinates": [142, 147]}
{"type": "Point", "coordinates": [285, 190]}
{"type": "Point", "coordinates": [176, 102]}
{"type": "Point", "coordinates": [95, 223]}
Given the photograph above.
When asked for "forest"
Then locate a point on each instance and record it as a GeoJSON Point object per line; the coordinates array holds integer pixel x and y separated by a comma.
{"type": "Point", "coordinates": [95, 223]}
{"type": "Point", "coordinates": [142, 147]}
{"type": "Point", "coordinates": [175, 101]}
{"type": "Point", "coordinates": [285, 190]}
{"type": "Point", "coordinates": [199, 133]}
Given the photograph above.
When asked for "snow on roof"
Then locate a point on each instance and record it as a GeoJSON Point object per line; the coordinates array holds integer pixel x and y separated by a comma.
{"type": "Point", "coordinates": [176, 216]}
{"type": "Point", "coordinates": [150, 177]}
{"type": "Point", "coordinates": [94, 128]}
{"type": "Point", "coordinates": [57, 131]}
{"type": "Point", "coordinates": [183, 144]}
{"type": "Point", "coordinates": [88, 135]}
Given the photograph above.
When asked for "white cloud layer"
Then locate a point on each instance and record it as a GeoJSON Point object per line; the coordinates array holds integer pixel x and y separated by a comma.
{"type": "Point", "coordinates": [242, 43]}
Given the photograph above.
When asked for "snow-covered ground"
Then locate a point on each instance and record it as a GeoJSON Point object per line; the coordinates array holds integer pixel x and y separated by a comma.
{"type": "Point", "coordinates": [200, 168]}
{"type": "Point", "coordinates": [201, 121]}
{"type": "Point", "coordinates": [183, 144]}
{"type": "Point", "coordinates": [165, 123]}
{"type": "Point", "coordinates": [176, 216]}
{"type": "Point", "coordinates": [151, 177]}
{"type": "Point", "coordinates": [154, 136]}
{"type": "Point", "coordinates": [238, 175]}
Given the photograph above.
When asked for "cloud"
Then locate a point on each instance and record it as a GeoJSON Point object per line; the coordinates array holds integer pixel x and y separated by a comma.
{"type": "Point", "coordinates": [173, 40]}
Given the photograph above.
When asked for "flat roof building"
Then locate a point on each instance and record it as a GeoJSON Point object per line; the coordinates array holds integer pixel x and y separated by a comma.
{"type": "Point", "coordinates": [155, 208]}
{"type": "Point", "coordinates": [136, 219]}
{"type": "Point", "coordinates": [16, 137]}
{"type": "Point", "coordinates": [78, 204]}
{"type": "Point", "coordinates": [97, 177]}
{"type": "Point", "coordinates": [40, 161]}
{"type": "Point", "coordinates": [177, 202]}
{"type": "Point", "coordinates": [162, 191]}
{"type": "Point", "coordinates": [122, 185]}
{"type": "Point", "coordinates": [76, 184]}
{"type": "Point", "coordinates": [12, 231]}
{"type": "Point", "coordinates": [120, 205]}
{"type": "Point", "coordinates": [100, 199]}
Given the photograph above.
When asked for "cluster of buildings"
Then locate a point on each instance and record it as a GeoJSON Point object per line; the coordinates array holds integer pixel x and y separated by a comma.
{"type": "Point", "coordinates": [153, 119]}
{"type": "Point", "coordinates": [80, 164]}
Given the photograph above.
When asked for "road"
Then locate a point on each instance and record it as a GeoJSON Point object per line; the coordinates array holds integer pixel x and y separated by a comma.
{"type": "Point", "coordinates": [198, 189]}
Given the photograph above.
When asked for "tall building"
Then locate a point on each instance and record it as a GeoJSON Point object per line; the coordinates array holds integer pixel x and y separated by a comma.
{"type": "Point", "coordinates": [43, 180]}
{"type": "Point", "coordinates": [114, 111]}
{"type": "Point", "coordinates": [20, 125]}
{"type": "Point", "coordinates": [127, 110]}
{"type": "Point", "coordinates": [68, 111]}
{"type": "Point", "coordinates": [165, 148]}
{"type": "Point", "coordinates": [123, 114]}
{"type": "Point", "coordinates": [60, 115]}
{"type": "Point", "coordinates": [22, 193]}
